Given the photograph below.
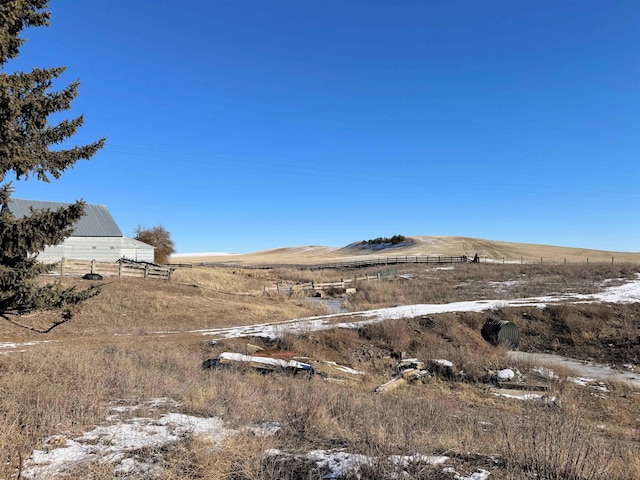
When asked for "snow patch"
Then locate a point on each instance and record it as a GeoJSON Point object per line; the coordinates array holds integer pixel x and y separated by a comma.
{"type": "Point", "coordinates": [340, 463]}
{"type": "Point", "coordinates": [505, 375]}
{"type": "Point", "coordinates": [119, 443]}
{"type": "Point", "coordinates": [479, 475]}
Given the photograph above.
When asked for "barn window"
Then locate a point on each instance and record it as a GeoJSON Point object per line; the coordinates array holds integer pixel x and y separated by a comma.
{"type": "Point", "coordinates": [93, 248]}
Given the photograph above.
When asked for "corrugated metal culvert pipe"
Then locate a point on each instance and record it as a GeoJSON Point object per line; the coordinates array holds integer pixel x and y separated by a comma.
{"type": "Point", "coordinates": [501, 331]}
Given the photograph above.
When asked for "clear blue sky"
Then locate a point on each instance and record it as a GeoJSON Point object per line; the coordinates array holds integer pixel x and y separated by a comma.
{"type": "Point", "coordinates": [248, 125]}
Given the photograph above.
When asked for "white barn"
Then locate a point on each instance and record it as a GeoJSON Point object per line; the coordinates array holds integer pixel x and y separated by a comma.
{"type": "Point", "coordinates": [95, 237]}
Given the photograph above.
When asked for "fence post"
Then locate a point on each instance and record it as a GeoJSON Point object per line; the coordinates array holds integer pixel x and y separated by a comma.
{"type": "Point", "coordinates": [540, 260]}
{"type": "Point", "coordinates": [62, 267]}
{"type": "Point", "coordinates": [587, 260]}
{"type": "Point", "coordinates": [611, 260]}
{"type": "Point", "coordinates": [93, 266]}
{"type": "Point", "coordinates": [146, 270]}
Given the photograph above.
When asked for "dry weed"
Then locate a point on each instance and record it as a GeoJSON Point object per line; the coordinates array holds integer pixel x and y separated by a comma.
{"type": "Point", "coordinates": [69, 386]}
{"type": "Point", "coordinates": [550, 443]}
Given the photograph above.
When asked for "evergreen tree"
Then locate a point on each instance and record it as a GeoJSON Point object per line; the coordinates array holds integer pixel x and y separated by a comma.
{"type": "Point", "coordinates": [31, 147]}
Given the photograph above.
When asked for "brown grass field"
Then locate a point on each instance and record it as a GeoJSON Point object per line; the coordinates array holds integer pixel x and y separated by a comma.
{"type": "Point", "coordinates": [488, 250]}
{"type": "Point", "coordinates": [135, 342]}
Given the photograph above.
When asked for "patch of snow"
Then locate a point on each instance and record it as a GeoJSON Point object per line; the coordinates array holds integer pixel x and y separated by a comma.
{"type": "Point", "coordinates": [13, 345]}
{"type": "Point", "coordinates": [583, 382]}
{"type": "Point", "coordinates": [527, 396]}
{"type": "Point", "coordinates": [479, 475]}
{"type": "Point", "coordinates": [340, 463]}
{"type": "Point", "coordinates": [444, 363]}
{"type": "Point", "coordinates": [601, 387]}
{"type": "Point", "coordinates": [405, 461]}
{"type": "Point", "coordinates": [628, 292]}
{"type": "Point", "coordinates": [505, 374]}
{"type": "Point", "coordinates": [118, 443]}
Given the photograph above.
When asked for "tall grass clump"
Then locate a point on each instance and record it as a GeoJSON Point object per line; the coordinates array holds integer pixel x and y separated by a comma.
{"type": "Point", "coordinates": [554, 444]}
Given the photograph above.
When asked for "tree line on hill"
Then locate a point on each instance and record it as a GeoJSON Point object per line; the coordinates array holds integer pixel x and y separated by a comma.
{"type": "Point", "coordinates": [395, 240]}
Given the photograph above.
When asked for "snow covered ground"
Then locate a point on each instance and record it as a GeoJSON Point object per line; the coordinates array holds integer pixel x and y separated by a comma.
{"type": "Point", "coordinates": [628, 292]}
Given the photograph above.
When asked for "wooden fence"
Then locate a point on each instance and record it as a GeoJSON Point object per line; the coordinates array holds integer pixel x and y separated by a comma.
{"type": "Point", "coordinates": [289, 288]}
{"type": "Point", "coordinates": [121, 268]}
{"type": "Point", "coordinates": [370, 262]}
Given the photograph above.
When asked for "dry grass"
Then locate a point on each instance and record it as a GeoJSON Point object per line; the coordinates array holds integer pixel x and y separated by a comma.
{"type": "Point", "coordinates": [67, 386]}
{"type": "Point", "coordinates": [490, 250]}
{"type": "Point", "coordinates": [419, 284]}
{"type": "Point", "coordinates": [197, 299]}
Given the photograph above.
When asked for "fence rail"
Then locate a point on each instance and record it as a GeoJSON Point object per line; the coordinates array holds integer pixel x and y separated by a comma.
{"type": "Point", "coordinates": [289, 288]}
{"type": "Point", "coordinates": [337, 265]}
{"type": "Point", "coordinates": [122, 268]}
{"type": "Point", "coordinates": [406, 259]}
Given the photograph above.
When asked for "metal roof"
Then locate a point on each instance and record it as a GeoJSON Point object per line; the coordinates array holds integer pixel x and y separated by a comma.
{"type": "Point", "coordinates": [96, 221]}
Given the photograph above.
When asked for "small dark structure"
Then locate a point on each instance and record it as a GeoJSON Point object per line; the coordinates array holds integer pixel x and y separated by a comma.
{"type": "Point", "coordinates": [497, 331]}
{"type": "Point", "coordinates": [92, 276]}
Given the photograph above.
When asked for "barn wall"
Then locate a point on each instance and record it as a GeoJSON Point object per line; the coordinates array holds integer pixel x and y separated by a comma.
{"type": "Point", "coordinates": [136, 250]}
{"type": "Point", "coordinates": [101, 249]}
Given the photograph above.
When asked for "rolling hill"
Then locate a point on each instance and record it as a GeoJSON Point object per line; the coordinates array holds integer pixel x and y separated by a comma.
{"type": "Point", "coordinates": [488, 250]}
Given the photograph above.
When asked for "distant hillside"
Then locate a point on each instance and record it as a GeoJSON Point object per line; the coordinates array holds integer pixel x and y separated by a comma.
{"type": "Point", "coordinates": [488, 250]}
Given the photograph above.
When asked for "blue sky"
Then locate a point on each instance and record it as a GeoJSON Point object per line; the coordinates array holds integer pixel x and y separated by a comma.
{"type": "Point", "coordinates": [248, 125]}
